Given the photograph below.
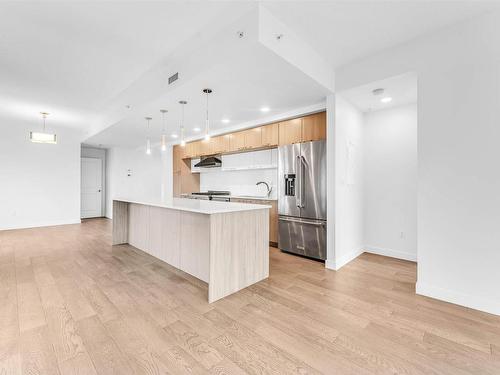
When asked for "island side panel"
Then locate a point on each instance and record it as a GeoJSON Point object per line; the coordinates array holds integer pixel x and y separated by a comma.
{"type": "Point", "coordinates": [138, 226]}
{"type": "Point", "coordinates": [239, 251]}
{"type": "Point", "coordinates": [120, 222]}
{"type": "Point", "coordinates": [195, 244]}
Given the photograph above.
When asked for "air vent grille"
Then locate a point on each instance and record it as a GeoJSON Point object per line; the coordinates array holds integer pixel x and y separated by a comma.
{"type": "Point", "coordinates": [173, 78]}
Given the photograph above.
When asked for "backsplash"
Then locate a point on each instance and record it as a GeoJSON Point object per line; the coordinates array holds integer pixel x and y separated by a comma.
{"type": "Point", "coordinates": [240, 182]}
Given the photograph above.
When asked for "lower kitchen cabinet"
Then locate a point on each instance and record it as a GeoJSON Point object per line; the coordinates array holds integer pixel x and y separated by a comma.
{"type": "Point", "coordinates": [273, 215]}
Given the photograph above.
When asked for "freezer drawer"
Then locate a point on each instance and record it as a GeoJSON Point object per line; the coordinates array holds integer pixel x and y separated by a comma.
{"type": "Point", "coordinates": [303, 236]}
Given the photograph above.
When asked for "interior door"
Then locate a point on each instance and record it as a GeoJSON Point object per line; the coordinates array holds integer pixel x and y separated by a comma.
{"type": "Point", "coordinates": [91, 187]}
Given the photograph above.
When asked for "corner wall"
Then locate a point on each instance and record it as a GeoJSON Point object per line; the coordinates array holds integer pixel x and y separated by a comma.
{"type": "Point", "coordinates": [458, 72]}
{"type": "Point", "coordinates": [348, 224]}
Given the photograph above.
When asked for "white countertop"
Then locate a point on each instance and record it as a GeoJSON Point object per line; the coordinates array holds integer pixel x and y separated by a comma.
{"type": "Point", "coordinates": [199, 205]}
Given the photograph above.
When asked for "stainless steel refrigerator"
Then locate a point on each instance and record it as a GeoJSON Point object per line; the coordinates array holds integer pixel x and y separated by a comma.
{"type": "Point", "coordinates": [302, 199]}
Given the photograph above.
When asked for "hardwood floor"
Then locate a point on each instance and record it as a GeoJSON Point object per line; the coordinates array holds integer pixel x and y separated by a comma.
{"type": "Point", "coordinates": [71, 303]}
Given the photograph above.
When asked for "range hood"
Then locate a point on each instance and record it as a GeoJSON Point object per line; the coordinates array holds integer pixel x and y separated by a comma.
{"type": "Point", "coordinates": [209, 162]}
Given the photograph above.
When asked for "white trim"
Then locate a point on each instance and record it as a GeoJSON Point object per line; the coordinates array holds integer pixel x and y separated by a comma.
{"type": "Point", "coordinates": [338, 264]}
{"type": "Point", "coordinates": [467, 300]}
{"type": "Point", "coordinates": [391, 253]}
{"type": "Point", "coordinates": [39, 225]}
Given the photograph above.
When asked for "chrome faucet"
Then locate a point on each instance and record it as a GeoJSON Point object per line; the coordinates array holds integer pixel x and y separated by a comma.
{"type": "Point", "coordinates": [269, 189]}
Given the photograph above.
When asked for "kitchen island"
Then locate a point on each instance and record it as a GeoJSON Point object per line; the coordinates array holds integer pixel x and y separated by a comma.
{"type": "Point", "coordinates": [221, 243]}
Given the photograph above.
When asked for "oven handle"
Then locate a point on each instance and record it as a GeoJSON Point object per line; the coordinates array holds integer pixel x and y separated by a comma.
{"type": "Point", "coordinates": [304, 221]}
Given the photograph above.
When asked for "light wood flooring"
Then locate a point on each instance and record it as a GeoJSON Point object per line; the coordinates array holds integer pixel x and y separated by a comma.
{"type": "Point", "coordinates": [72, 304]}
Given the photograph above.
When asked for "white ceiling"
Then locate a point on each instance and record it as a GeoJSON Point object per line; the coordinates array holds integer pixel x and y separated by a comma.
{"type": "Point", "coordinates": [344, 31]}
{"type": "Point", "coordinates": [402, 89]}
{"type": "Point", "coordinates": [72, 58]}
{"type": "Point", "coordinates": [78, 60]}
{"type": "Point", "coordinates": [239, 91]}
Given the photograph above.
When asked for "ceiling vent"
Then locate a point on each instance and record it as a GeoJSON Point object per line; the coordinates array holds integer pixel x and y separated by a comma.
{"type": "Point", "coordinates": [173, 78]}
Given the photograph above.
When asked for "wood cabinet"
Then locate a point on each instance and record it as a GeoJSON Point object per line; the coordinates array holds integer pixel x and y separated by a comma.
{"type": "Point", "coordinates": [237, 141]}
{"type": "Point", "coordinates": [270, 135]}
{"type": "Point", "coordinates": [273, 215]}
{"type": "Point", "coordinates": [314, 127]}
{"type": "Point", "coordinates": [290, 131]}
{"type": "Point", "coordinates": [177, 156]}
{"type": "Point", "coordinates": [220, 144]}
{"type": "Point", "coordinates": [205, 147]}
{"type": "Point", "coordinates": [253, 138]}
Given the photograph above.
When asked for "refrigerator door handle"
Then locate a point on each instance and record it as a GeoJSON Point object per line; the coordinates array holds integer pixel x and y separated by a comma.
{"type": "Point", "coordinates": [298, 195]}
{"type": "Point", "coordinates": [303, 221]}
{"type": "Point", "coordinates": [302, 185]}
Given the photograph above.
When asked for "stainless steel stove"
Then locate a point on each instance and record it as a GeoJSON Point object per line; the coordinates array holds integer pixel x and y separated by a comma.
{"type": "Point", "coordinates": [212, 195]}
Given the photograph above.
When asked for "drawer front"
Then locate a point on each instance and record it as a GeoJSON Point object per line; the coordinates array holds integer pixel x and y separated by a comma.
{"type": "Point", "coordinates": [303, 237]}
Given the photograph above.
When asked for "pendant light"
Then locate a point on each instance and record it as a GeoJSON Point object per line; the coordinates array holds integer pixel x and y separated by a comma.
{"type": "Point", "coordinates": [43, 137]}
{"type": "Point", "coordinates": [163, 138]}
{"type": "Point", "coordinates": [183, 141]}
{"type": "Point", "coordinates": [148, 140]}
{"type": "Point", "coordinates": [207, 121]}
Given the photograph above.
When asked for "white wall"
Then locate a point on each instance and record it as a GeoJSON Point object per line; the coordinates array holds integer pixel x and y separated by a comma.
{"type": "Point", "coordinates": [150, 180]}
{"type": "Point", "coordinates": [390, 182]}
{"type": "Point", "coordinates": [39, 183]}
{"type": "Point", "coordinates": [348, 184]}
{"type": "Point", "coordinates": [458, 133]}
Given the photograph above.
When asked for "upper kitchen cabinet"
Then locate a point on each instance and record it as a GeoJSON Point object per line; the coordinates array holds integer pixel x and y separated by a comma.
{"type": "Point", "coordinates": [290, 131]}
{"type": "Point", "coordinates": [314, 127]}
{"type": "Point", "coordinates": [205, 147]}
{"type": "Point", "coordinates": [270, 135]}
{"type": "Point", "coordinates": [191, 150]}
{"type": "Point", "coordinates": [178, 155]}
{"type": "Point", "coordinates": [220, 144]}
{"type": "Point", "coordinates": [237, 141]}
{"type": "Point", "coordinates": [253, 138]}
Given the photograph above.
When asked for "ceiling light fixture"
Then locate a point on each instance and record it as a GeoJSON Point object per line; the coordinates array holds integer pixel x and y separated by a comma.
{"type": "Point", "coordinates": [163, 138]}
{"type": "Point", "coordinates": [387, 99]}
{"type": "Point", "coordinates": [226, 121]}
{"type": "Point", "coordinates": [183, 141]}
{"type": "Point", "coordinates": [148, 141]}
{"type": "Point", "coordinates": [264, 109]}
{"type": "Point", "coordinates": [43, 137]}
{"type": "Point", "coordinates": [196, 129]}
{"type": "Point", "coordinates": [174, 135]}
{"type": "Point", "coordinates": [207, 121]}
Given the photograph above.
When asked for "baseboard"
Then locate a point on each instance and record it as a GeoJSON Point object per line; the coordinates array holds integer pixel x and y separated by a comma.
{"type": "Point", "coordinates": [391, 253]}
{"type": "Point", "coordinates": [40, 225]}
{"type": "Point", "coordinates": [467, 300]}
{"type": "Point", "coordinates": [336, 265]}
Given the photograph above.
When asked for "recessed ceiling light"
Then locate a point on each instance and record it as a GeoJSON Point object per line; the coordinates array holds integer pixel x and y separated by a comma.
{"type": "Point", "coordinates": [264, 109]}
{"type": "Point", "coordinates": [196, 129]}
{"type": "Point", "coordinates": [174, 135]}
{"type": "Point", "coordinates": [226, 121]}
{"type": "Point", "coordinates": [387, 99]}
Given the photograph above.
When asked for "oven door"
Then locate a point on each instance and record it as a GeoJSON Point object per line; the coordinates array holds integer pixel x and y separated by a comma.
{"type": "Point", "coordinates": [302, 236]}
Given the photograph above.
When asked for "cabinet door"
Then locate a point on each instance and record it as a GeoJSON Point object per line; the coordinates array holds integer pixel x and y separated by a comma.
{"type": "Point", "coordinates": [290, 131]}
{"type": "Point", "coordinates": [204, 147]}
{"type": "Point", "coordinates": [220, 144]}
{"type": "Point", "coordinates": [237, 141]}
{"type": "Point", "coordinates": [177, 158]}
{"type": "Point", "coordinates": [270, 135]}
{"type": "Point", "coordinates": [177, 184]}
{"type": "Point", "coordinates": [253, 138]}
{"type": "Point", "coordinates": [314, 127]}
